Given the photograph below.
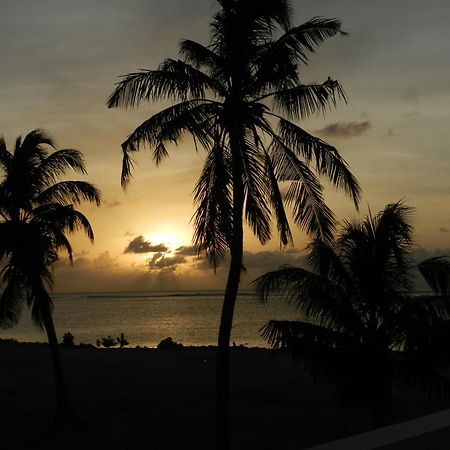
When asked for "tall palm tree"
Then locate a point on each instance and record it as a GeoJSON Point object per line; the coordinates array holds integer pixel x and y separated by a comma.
{"type": "Point", "coordinates": [36, 213]}
{"type": "Point", "coordinates": [359, 314]}
{"type": "Point", "coordinates": [238, 97]}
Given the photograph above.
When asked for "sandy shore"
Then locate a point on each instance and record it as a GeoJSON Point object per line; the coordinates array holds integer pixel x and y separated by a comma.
{"type": "Point", "coordinates": [154, 399]}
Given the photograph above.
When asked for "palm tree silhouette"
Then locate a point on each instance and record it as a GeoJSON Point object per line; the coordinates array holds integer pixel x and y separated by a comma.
{"type": "Point", "coordinates": [36, 213]}
{"type": "Point", "coordinates": [237, 97]}
{"type": "Point", "coordinates": [359, 315]}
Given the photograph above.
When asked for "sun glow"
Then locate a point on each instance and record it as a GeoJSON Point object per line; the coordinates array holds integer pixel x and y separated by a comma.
{"type": "Point", "coordinates": [171, 239]}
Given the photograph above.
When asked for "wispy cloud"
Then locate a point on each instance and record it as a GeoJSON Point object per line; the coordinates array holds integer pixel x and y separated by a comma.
{"type": "Point", "coordinates": [345, 129]}
{"type": "Point", "coordinates": [111, 203]}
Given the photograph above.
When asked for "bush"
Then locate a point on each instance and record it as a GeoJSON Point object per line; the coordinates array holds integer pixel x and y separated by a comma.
{"type": "Point", "coordinates": [168, 343]}
{"type": "Point", "coordinates": [107, 342]}
{"type": "Point", "coordinates": [122, 340]}
{"type": "Point", "coordinates": [68, 340]}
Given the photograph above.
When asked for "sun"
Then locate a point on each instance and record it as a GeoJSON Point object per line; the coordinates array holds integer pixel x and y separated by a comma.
{"type": "Point", "coordinates": [171, 239]}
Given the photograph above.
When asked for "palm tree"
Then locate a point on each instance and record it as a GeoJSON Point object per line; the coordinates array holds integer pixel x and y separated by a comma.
{"type": "Point", "coordinates": [359, 316]}
{"type": "Point", "coordinates": [238, 98]}
{"type": "Point", "coordinates": [36, 213]}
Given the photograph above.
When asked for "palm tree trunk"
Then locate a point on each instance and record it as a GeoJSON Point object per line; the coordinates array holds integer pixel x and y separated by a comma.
{"type": "Point", "coordinates": [63, 409]}
{"type": "Point", "coordinates": [226, 319]}
{"type": "Point", "coordinates": [223, 357]}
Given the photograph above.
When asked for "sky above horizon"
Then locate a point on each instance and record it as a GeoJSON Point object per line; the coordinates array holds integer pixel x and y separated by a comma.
{"type": "Point", "coordinates": [61, 59]}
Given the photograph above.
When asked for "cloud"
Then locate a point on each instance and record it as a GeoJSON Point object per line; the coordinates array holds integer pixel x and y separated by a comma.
{"type": "Point", "coordinates": [160, 261]}
{"type": "Point", "coordinates": [111, 203]}
{"type": "Point", "coordinates": [257, 263]}
{"type": "Point", "coordinates": [92, 275]}
{"type": "Point", "coordinates": [186, 250]}
{"type": "Point", "coordinates": [140, 245]}
{"type": "Point", "coordinates": [345, 129]}
{"type": "Point", "coordinates": [412, 96]}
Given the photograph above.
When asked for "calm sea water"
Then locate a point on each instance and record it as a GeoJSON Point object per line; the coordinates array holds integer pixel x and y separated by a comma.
{"type": "Point", "coordinates": [191, 318]}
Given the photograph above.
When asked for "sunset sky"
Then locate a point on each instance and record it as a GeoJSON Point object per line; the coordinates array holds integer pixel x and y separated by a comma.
{"type": "Point", "coordinates": [60, 60]}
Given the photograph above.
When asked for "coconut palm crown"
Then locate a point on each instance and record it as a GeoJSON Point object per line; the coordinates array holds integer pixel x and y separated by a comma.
{"type": "Point", "coordinates": [36, 214]}
{"type": "Point", "coordinates": [360, 318]}
{"type": "Point", "coordinates": [240, 97]}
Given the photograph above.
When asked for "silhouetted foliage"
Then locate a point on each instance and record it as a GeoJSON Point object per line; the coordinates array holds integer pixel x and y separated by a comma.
{"type": "Point", "coordinates": [122, 340]}
{"type": "Point", "coordinates": [68, 340]}
{"type": "Point", "coordinates": [36, 214]}
{"type": "Point", "coordinates": [169, 344]}
{"type": "Point", "coordinates": [108, 342]}
{"type": "Point", "coordinates": [238, 98]}
{"type": "Point", "coordinates": [361, 319]}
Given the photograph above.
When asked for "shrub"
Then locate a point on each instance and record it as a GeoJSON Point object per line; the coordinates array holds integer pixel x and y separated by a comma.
{"type": "Point", "coordinates": [68, 340]}
{"type": "Point", "coordinates": [169, 343]}
{"type": "Point", "coordinates": [122, 340]}
{"type": "Point", "coordinates": [108, 342]}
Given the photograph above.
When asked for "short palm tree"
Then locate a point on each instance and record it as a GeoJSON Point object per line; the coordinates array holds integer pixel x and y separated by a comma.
{"type": "Point", "coordinates": [36, 213]}
{"type": "Point", "coordinates": [359, 314]}
{"type": "Point", "coordinates": [239, 97]}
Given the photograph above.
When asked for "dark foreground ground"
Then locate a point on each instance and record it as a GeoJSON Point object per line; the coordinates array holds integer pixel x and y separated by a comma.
{"type": "Point", "coordinates": [164, 399]}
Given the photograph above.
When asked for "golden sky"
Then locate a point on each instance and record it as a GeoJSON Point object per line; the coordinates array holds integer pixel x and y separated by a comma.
{"type": "Point", "coordinates": [60, 60]}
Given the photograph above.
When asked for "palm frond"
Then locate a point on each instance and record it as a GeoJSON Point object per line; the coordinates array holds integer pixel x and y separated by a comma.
{"type": "Point", "coordinates": [304, 193]}
{"type": "Point", "coordinates": [213, 216]}
{"type": "Point", "coordinates": [276, 201]}
{"type": "Point", "coordinates": [175, 80]}
{"type": "Point", "coordinates": [61, 218]}
{"type": "Point", "coordinates": [319, 300]}
{"type": "Point", "coordinates": [56, 165]}
{"type": "Point", "coordinates": [5, 156]}
{"type": "Point", "coordinates": [436, 272]}
{"type": "Point", "coordinates": [36, 139]}
{"type": "Point", "coordinates": [201, 57]}
{"type": "Point", "coordinates": [326, 158]}
{"type": "Point", "coordinates": [257, 211]}
{"type": "Point", "coordinates": [303, 101]}
{"type": "Point", "coordinates": [167, 127]}
{"type": "Point", "coordinates": [67, 192]}
{"type": "Point", "coordinates": [304, 39]}
{"type": "Point", "coordinates": [302, 337]}
{"type": "Point", "coordinates": [39, 300]}
{"type": "Point", "coordinates": [11, 297]}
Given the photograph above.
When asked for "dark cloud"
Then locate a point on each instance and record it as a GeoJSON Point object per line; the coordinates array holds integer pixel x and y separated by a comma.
{"type": "Point", "coordinates": [444, 230]}
{"type": "Point", "coordinates": [140, 245]}
{"type": "Point", "coordinates": [411, 95]}
{"type": "Point", "coordinates": [345, 129]}
{"type": "Point", "coordinates": [160, 261]}
{"type": "Point", "coordinates": [186, 250]}
{"type": "Point", "coordinates": [260, 262]}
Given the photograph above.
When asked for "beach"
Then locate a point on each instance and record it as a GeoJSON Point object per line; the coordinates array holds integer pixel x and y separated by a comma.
{"type": "Point", "coordinates": [164, 399]}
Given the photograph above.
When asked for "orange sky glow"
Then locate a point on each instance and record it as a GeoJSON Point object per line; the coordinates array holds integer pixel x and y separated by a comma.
{"type": "Point", "coordinates": [60, 63]}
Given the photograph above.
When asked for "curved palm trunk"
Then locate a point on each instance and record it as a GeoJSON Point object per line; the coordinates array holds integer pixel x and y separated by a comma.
{"type": "Point", "coordinates": [63, 409]}
{"type": "Point", "coordinates": [223, 357]}
{"type": "Point", "coordinates": [226, 319]}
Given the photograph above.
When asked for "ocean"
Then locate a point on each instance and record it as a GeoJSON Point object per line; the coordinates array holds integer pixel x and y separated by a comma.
{"type": "Point", "coordinates": [145, 318]}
